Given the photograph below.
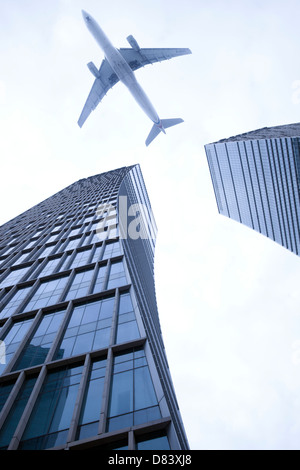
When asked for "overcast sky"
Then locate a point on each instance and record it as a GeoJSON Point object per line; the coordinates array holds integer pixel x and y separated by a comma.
{"type": "Point", "coordinates": [228, 298]}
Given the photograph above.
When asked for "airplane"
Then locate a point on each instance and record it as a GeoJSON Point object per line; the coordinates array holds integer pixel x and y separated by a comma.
{"type": "Point", "coordinates": [119, 65]}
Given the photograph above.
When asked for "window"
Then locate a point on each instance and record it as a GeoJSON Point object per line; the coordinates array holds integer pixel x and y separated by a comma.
{"type": "Point", "coordinates": [154, 441]}
{"type": "Point", "coordinates": [49, 267]}
{"type": "Point", "coordinates": [111, 250]}
{"type": "Point", "coordinates": [8, 250]}
{"type": "Point", "coordinates": [91, 407]}
{"type": "Point", "coordinates": [5, 389]}
{"type": "Point", "coordinates": [13, 339]}
{"type": "Point", "coordinates": [47, 293]}
{"type": "Point", "coordinates": [49, 422]}
{"type": "Point", "coordinates": [13, 277]}
{"type": "Point", "coordinates": [74, 231]}
{"type": "Point", "coordinates": [72, 244]}
{"type": "Point", "coordinates": [94, 239]}
{"type": "Point", "coordinates": [96, 254]}
{"type": "Point", "coordinates": [81, 258]}
{"type": "Point", "coordinates": [88, 329]}
{"type": "Point", "coordinates": [14, 302]}
{"type": "Point", "coordinates": [100, 279]}
{"type": "Point", "coordinates": [21, 258]}
{"type": "Point", "coordinates": [132, 400]}
{"type": "Point", "coordinates": [12, 420]}
{"type": "Point", "coordinates": [46, 251]}
{"type": "Point", "coordinates": [80, 284]}
{"type": "Point", "coordinates": [127, 328]}
{"type": "Point", "coordinates": [52, 238]}
{"type": "Point", "coordinates": [38, 347]}
{"type": "Point", "coordinates": [117, 276]}
{"type": "Point", "coordinates": [113, 232]}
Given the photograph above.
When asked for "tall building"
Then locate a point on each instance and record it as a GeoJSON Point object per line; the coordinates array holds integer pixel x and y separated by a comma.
{"type": "Point", "coordinates": [256, 179]}
{"type": "Point", "coordinates": [82, 360]}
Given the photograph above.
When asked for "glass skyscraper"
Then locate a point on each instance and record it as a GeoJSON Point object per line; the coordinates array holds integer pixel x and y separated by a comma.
{"type": "Point", "coordinates": [256, 179]}
{"type": "Point", "coordinates": [82, 360]}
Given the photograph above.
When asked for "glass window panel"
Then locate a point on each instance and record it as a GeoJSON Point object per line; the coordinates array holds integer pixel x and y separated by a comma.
{"type": "Point", "coordinates": [12, 420]}
{"type": "Point", "coordinates": [81, 258]}
{"type": "Point", "coordinates": [127, 332]}
{"type": "Point", "coordinates": [100, 279]}
{"type": "Point", "coordinates": [92, 401]}
{"type": "Point", "coordinates": [49, 268]}
{"type": "Point", "coordinates": [145, 415]}
{"type": "Point", "coordinates": [121, 394]}
{"type": "Point", "coordinates": [157, 441]}
{"type": "Point", "coordinates": [144, 395]}
{"type": "Point", "coordinates": [12, 340]}
{"type": "Point", "coordinates": [5, 390]}
{"type": "Point", "coordinates": [101, 339]}
{"type": "Point", "coordinates": [119, 422]}
{"type": "Point", "coordinates": [83, 343]}
{"type": "Point", "coordinates": [80, 284]}
{"type": "Point", "coordinates": [96, 254]}
{"type": "Point", "coordinates": [38, 347]}
{"type": "Point", "coordinates": [89, 328]}
{"type": "Point", "coordinates": [117, 276]}
{"type": "Point", "coordinates": [14, 302]}
{"type": "Point", "coordinates": [14, 277]}
{"type": "Point", "coordinates": [54, 408]}
{"type": "Point", "coordinates": [47, 293]}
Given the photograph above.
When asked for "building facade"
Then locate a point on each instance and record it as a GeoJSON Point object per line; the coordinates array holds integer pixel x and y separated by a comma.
{"type": "Point", "coordinates": [256, 179]}
{"type": "Point", "coordinates": [82, 360]}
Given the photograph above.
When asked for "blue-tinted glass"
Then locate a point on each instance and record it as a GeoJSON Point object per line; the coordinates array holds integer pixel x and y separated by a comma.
{"type": "Point", "coordinates": [131, 391]}
{"type": "Point", "coordinates": [127, 332]}
{"type": "Point", "coordinates": [100, 279]}
{"type": "Point", "coordinates": [80, 284]}
{"type": "Point", "coordinates": [37, 349]}
{"type": "Point", "coordinates": [14, 302]}
{"type": "Point", "coordinates": [47, 293]}
{"type": "Point", "coordinates": [5, 390]}
{"type": "Point", "coordinates": [117, 276]}
{"type": "Point", "coordinates": [127, 329]}
{"type": "Point", "coordinates": [54, 408]}
{"type": "Point", "coordinates": [92, 401]}
{"type": "Point", "coordinates": [13, 277]}
{"type": "Point", "coordinates": [122, 393]}
{"type": "Point", "coordinates": [144, 392]}
{"type": "Point", "coordinates": [147, 414]}
{"type": "Point", "coordinates": [88, 329]}
{"type": "Point", "coordinates": [12, 340]}
{"type": "Point", "coordinates": [119, 422]}
{"type": "Point", "coordinates": [83, 343]}
{"type": "Point", "coordinates": [157, 443]}
{"type": "Point", "coordinates": [101, 339]}
{"type": "Point", "coordinates": [15, 413]}
{"type": "Point", "coordinates": [107, 307]}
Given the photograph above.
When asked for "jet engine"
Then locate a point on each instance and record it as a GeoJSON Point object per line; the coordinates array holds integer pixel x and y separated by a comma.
{"type": "Point", "coordinates": [92, 67]}
{"type": "Point", "coordinates": [133, 43]}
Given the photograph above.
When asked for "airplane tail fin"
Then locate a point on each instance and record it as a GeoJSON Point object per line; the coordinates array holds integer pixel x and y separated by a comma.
{"type": "Point", "coordinates": [165, 123]}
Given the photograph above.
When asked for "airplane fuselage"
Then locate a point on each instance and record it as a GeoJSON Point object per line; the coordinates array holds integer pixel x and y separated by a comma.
{"type": "Point", "coordinates": [122, 69]}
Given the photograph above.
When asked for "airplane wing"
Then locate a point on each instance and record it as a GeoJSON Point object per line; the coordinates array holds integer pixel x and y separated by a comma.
{"type": "Point", "coordinates": [105, 79]}
{"type": "Point", "coordinates": [141, 57]}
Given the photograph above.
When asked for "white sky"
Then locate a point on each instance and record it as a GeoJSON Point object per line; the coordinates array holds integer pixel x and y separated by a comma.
{"type": "Point", "coordinates": [228, 298]}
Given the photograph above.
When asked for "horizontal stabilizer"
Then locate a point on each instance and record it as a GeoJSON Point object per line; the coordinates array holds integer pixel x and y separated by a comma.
{"type": "Point", "coordinates": [165, 123]}
{"type": "Point", "coordinates": [170, 122]}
